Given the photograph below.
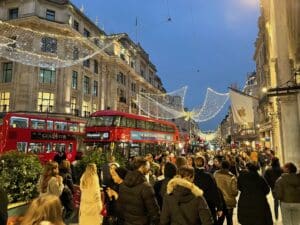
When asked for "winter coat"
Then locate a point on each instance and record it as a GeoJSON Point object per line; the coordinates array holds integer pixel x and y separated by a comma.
{"type": "Point", "coordinates": [227, 183]}
{"type": "Point", "coordinates": [206, 182]}
{"type": "Point", "coordinates": [253, 207]}
{"type": "Point", "coordinates": [287, 188]}
{"type": "Point", "coordinates": [184, 204]}
{"type": "Point", "coordinates": [160, 188]}
{"type": "Point", "coordinates": [136, 203]}
{"type": "Point", "coordinates": [271, 175]}
{"type": "Point", "coordinates": [90, 204]}
{"type": "Point", "coordinates": [3, 207]}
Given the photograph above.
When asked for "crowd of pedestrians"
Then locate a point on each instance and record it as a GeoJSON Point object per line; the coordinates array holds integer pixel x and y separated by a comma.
{"type": "Point", "coordinates": [198, 189]}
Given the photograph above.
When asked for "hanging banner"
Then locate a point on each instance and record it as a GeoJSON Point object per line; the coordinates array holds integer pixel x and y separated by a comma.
{"type": "Point", "coordinates": [242, 107]}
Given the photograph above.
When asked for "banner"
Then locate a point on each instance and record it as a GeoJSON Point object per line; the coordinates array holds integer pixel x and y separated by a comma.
{"type": "Point", "coordinates": [242, 107]}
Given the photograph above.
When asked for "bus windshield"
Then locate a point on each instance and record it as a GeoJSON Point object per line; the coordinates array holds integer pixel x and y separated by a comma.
{"type": "Point", "coordinates": [103, 121]}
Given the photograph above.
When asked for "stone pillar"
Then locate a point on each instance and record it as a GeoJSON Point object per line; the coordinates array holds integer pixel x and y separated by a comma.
{"type": "Point", "coordinates": [287, 105]}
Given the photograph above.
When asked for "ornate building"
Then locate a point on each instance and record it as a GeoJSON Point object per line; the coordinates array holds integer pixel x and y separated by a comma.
{"type": "Point", "coordinates": [108, 80]}
{"type": "Point", "coordinates": [277, 59]}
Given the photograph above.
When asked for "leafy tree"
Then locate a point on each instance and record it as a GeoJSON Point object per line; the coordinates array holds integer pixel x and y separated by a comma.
{"type": "Point", "coordinates": [19, 174]}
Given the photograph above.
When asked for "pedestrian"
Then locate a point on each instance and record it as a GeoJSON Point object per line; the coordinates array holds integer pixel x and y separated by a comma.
{"type": "Point", "coordinates": [160, 187]}
{"type": "Point", "coordinates": [206, 182]}
{"type": "Point", "coordinates": [90, 202]}
{"type": "Point", "coordinates": [227, 183]}
{"type": "Point", "coordinates": [184, 203]}
{"type": "Point", "coordinates": [3, 206]}
{"type": "Point", "coordinates": [118, 175]}
{"type": "Point", "coordinates": [287, 190]}
{"type": "Point", "coordinates": [50, 182]}
{"type": "Point", "coordinates": [253, 207]}
{"type": "Point", "coordinates": [180, 161]}
{"type": "Point", "coordinates": [44, 210]}
{"type": "Point", "coordinates": [136, 203]}
{"type": "Point", "coordinates": [271, 175]}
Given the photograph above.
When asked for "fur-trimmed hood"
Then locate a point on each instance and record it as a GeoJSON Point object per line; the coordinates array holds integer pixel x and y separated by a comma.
{"type": "Point", "coordinates": [177, 181]}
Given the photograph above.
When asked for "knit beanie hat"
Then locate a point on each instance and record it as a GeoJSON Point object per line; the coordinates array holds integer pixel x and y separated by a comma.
{"type": "Point", "coordinates": [121, 171]}
{"type": "Point", "coordinates": [170, 170]}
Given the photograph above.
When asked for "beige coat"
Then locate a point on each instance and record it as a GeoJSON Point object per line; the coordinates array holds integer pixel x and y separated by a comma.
{"type": "Point", "coordinates": [227, 183]}
{"type": "Point", "coordinates": [90, 204]}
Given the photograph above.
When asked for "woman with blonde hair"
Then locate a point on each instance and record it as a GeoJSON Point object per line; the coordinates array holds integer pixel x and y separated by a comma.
{"type": "Point", "coordinates": [44, 210]}
{"type": "Point", "coordinates": [90, 202]}
{"type": "Point", "coordinates": [50, 182]}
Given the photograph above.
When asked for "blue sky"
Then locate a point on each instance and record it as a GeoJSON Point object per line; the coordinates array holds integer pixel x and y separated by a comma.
{"type": "Point", "coordinates": [206, 43]}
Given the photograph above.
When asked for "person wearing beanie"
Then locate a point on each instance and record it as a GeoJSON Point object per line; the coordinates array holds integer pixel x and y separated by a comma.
{"type": "Point", "coordinates": [160, 187]}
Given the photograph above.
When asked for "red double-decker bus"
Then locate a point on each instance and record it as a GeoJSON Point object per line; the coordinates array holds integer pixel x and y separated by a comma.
{"type": "Point", "coordinates": [39, 135]}
{"type": "Point", "coordinates": [129, 133]}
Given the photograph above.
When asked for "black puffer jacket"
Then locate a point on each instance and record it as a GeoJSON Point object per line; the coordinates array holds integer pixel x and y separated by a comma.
{"type": "Point", "coordinates": [136, 203]}
{"type": "Point", "coordinates": [184, 205]}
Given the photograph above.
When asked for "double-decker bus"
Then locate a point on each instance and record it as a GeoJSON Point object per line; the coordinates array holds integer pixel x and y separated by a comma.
{"type": "Point", "coordinates": [39, 135]}
{"type": "Point", "coordinates": [130, 134]}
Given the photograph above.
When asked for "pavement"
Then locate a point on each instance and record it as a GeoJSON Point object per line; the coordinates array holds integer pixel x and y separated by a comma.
{"type": "Point", "coordinates": [235, 221]}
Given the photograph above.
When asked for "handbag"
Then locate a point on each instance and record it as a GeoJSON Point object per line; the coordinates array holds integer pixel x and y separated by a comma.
{"type": "Point", "coordinates": [104, 211]}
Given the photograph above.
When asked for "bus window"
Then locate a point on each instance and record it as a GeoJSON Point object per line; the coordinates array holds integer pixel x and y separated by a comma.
{"type": "Point", "coordinates": [35, 148]}
{"type": "Point", "coordinates": [38, 124]}
{"type": "Point", "coordinates": [48, 147]}
{"type": "Point", "coordinates": [57, 147]}
{"type": "Point", "coordinates": [60, 125]}
{"type": "Point", "coordinates": [21, 146]}
{"type": "Point", "coordinates": [141, 124]}
{"type": "Point", "coordinates": [73, 127]}
{"type": "Point", "coordinates": [81, 128]}
{"type": "Point", "coordinates": [49, 125]}
{"type": "Point", "coordinates": [131, 123]}
{"type": "Point", "coordinates": [117, 121]}
{"type": "Point", "coordinates": [70, 148]}
{"type": "Point", "coordinates": [19, 122]}
{"type": "Point", "coordinates": [123, 122]}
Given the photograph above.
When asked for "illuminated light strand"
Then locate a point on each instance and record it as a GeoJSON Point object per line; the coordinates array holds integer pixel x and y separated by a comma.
{"type": "Point", "coordinates": [20, 44]}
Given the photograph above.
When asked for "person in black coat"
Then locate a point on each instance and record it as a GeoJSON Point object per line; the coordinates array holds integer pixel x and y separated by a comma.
{"type": "Point", "coordinates": [137, 204]}
{"type": "Point", "coordinates": [253, 207]}
{"type": "Point", "coordinates": [207, 183]}
{"type": "Point", "coordinates": [271, 175]}
{"type": "Point", "coordinates": [184, 203]}
{"type": "Point", "coordinates": [3, 206]}
{"type": "Point", "coordinates": [160, 187]}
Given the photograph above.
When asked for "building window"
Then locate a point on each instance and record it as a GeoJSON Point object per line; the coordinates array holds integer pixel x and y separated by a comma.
{"type": "Point", "coordinates": [74, 79]}
{"type": "Point", "coordinates": [7, 72]}
{"type": "Point", "coordinates": [95, 66]}
{"type": "Point", "coordinates": [95, 88]}
{"type": "Point", "coordinates": [86, 63]}
{"type": "Point", "coordinates": [75, 53]}
{"type": "Point", "coordinates": [86, 85]}
{"type": "Point", "coordinates": [76, 25]}
{"type": "Point", "coordinates": [95, 108]}
{"type": "Point", "coordinates": [45, 102]}
{"type": "Point", "coordinates": [86, 33]}
{"type": "Point", "coordinates": [74, 109]}
{"type": "Point", "coordinates": [85, 109]}
{"type": "Point", "coordinates": [122, 96]}
{"type": "Point", "coordinates": [4, 101]}
{"type": "Point", "coordinates": [133, 87]}
{"type": "Point", "coordinates": [13, 13]}
{"type": "Point", "coordinates": [47, 76]}
{"type": "Point", "coordinates": [50, 15]}
{"type": "Point", "coordinates": [49, 45]}
{"type": "Point", "coordinates": [121, 78]}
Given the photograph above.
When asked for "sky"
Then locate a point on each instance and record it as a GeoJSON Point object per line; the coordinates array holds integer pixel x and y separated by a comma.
{"type": "Point", "coordinates": [194, 43]}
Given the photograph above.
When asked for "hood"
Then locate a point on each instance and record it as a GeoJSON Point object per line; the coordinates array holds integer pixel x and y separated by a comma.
{"type": "Point", "coordinates": [182, 187]}
{"type": "Point", "coordinates": [291, 179]}
{"type": "Point", "coordinates": [134, 178]}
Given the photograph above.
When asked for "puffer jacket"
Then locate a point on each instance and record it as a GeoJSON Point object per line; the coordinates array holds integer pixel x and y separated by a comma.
{"type": "Point", "coordinates": [184, 204]}
{"type": "Point", "coordinates": [137, 204]}
{"type": "Point", "coordinates": [287, 188]}
{"type": "Point", "coordinates": [227, 183]}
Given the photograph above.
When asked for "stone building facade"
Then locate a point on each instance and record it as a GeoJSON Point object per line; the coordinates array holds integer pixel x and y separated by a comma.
{"type": "Point", "coordinates": [277, 57]}
{"type": "Point", "coordinates": [108, 80]}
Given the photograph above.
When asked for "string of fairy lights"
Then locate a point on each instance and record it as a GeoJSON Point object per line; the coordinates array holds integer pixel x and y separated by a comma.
{"type": "Point", "coordinates": [50, 50]}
